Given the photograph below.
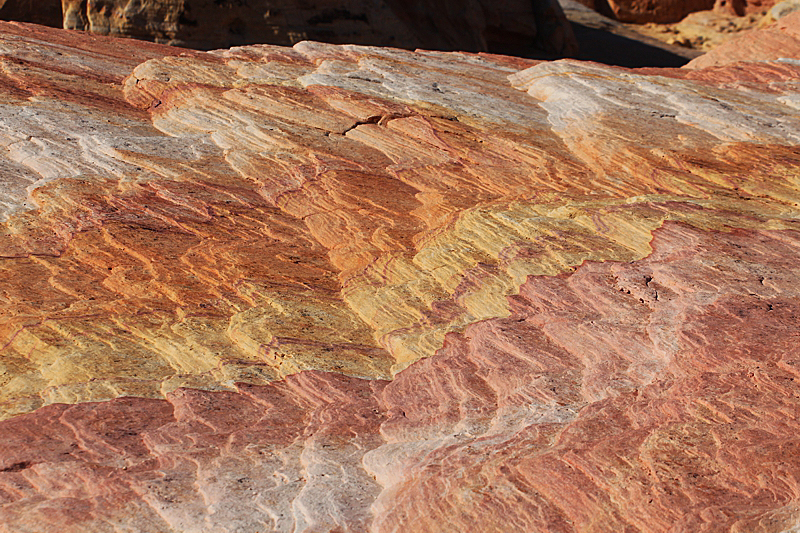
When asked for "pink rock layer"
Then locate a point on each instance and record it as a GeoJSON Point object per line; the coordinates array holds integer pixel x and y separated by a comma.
{"type": "Point", "coordinates": [650, 396]}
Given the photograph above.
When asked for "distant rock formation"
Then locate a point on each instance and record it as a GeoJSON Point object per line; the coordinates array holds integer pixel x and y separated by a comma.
{"type": "Point", "coordinates": [666, 11]}
{"type": "Point", "coordinates": [743, 7]}
{"type": "Point", "coordinates": [357, 289]}
{"type": "Point", "coordinates": [517, 27]}
{"type": "Point", "coordinates": [779, 40]}
{"type": "Point", "coordinates": [46, 12]}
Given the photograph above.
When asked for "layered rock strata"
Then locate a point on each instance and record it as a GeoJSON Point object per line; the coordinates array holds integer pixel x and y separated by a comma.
{"type": "Point", "coordinates": [342, 288]}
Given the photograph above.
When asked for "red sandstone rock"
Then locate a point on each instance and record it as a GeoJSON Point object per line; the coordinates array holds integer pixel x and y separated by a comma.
{"type": "Point", "coordinates": [743, 7]}
{"type": "Point", "coordinates": [648, 11]}
{"type": "Point", "coordinates": [667, 11]}
{"type": "Point", "coordinates": [339, 288]}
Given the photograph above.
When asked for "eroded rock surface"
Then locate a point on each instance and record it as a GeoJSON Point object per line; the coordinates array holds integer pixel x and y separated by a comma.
{"type": "Point", "coordinates": [342, 288]}
{"type": "Point", "coordinates": [780, 40]}
{"type": "Point", "coordinates": [671, 11]}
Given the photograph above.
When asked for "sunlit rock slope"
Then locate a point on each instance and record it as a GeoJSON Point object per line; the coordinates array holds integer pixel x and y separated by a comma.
{"type": "Point", "coordinates": [349, 289]}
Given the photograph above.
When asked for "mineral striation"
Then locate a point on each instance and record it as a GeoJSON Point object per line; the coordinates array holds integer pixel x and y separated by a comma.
{"type": "Point", "coordinates": [346, 289]}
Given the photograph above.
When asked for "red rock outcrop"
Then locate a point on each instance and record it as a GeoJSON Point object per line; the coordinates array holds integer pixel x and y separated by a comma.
{"type": "Point", "coordinates": [343, 288]}
{"type": "Point", "coordinates": [743, 7]}
{"type": "Point", "coordinates": [667, 11]}
{"type": "Point", "coordinates": [641, 11]}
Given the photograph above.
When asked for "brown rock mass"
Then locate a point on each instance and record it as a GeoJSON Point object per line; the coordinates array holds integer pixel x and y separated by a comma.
{"type": "Point", "coordinates": [668, 11]}
{"type": "Point", "coordinates": [640, 11]}
{"type": "Point", "coordinates": [347, 289]}
{"type": "Point", "coordinates": [47, 12]}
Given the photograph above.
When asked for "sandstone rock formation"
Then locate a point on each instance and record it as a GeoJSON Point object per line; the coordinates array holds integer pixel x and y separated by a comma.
{"type": "Point", "coordinates": [780, 10]}
{"type": "Point", "coordinates": [639, 11]}
{"type": "Point", "coordinates": [671, 11]}
{"type": "Point", "coordinates": [702, 30]}
{"type": "Point", "coordinates": [341, 288]}
{"type": "Point", "coordinates": [706, 30]}
{"type": "Point", "coordinates": [780, 40]}
{"type": "Point", "coordinates": [518, 27]}
{"type": "Point", "coordinates": [743, 7]}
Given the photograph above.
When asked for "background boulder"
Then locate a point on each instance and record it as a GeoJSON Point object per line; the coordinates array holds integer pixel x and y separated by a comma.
{"type": "Point", "coordinates": [518, 27]}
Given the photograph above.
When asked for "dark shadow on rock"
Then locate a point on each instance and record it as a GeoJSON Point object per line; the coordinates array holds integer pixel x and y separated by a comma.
{"type": "Point", "coordinates": [606, 47]}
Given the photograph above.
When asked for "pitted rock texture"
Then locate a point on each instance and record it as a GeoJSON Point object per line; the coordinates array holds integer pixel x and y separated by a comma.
{"type": "Point", "coordinates": [344, 288]}
{"type": "Point", "coordinates": [703, 30]}
{"type": "Point", "coordinates": [743, 7]}
{"type": "Point", "coordinates": [667, 11]}
{"type": "Point", "coordinates": [518, 27]}
{"type": "Point", "coordinates": [780, 40]}
{"type": "Point", "coordinates": [638, 11]}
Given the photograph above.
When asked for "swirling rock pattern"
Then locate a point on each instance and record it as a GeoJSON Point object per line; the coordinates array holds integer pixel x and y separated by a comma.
{"type": "Point", "coordinates": [341, 288]}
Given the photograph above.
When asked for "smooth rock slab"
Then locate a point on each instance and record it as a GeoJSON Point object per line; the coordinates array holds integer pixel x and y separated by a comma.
{"type": "Point", "coordinates": [343, 288]}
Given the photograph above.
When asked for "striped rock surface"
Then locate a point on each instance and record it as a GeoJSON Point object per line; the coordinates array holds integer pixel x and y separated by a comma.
{"type": "Point", "coordinates": [347, 289]}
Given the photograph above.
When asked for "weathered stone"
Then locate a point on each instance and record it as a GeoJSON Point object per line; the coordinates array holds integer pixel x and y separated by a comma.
{"type": "Point", "coordinates": [780, 40]}
{"type": "Point", "coordinates": [780, 10]}
{"type": "Point", "coordinates": [702, 30]}
{"type": "Point", "coordinates": [743, 7]}
{"type": "Point", "coordinates": [641, 11]}
{"type": "Point", "coordinates": [340, 288]}
{"type": "Point", "coordinates": [669, 11]}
